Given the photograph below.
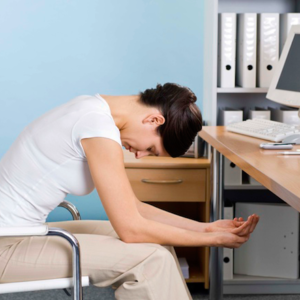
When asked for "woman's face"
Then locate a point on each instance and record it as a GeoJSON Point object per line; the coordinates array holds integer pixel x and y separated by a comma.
{"type": "Point", "coordinates": [143, 139]}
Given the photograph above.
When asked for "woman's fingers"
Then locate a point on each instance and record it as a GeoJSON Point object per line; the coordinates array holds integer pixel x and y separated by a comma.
{"type": "Point", "coordinates": [238, 221]}
{"type": "Point", "coordinates": [248, 226]}
{"type": "Point", "coordinates": [256, 219]}
{"type": "Point", "coordinates": [245, 228]}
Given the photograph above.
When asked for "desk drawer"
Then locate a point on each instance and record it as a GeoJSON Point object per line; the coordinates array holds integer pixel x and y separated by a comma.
{"type": "Point", "coordinates": [174, 185]}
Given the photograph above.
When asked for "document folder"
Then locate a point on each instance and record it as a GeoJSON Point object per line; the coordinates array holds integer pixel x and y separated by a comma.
{"type": "Point", "coordinates": [273, 248]}
{"type": "Point", "coordinates": [286, 22]}
{"type": "Point", "coordinates": [267, 47]}
{"type": "Point", "coordinates": [227, 252]}
{"type": "Point", "coordinates": [246, 50]}
{"type": "Point", "coordinates": [232, 173]}
{"type": "Point", "coordinates": [226, 50]}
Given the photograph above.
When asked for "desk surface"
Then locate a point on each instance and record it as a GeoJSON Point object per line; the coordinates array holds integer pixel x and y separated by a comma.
{"type": "Point", "coordinates": [278, 173]}
{"type": "Point", "coordinates": [153, 162]}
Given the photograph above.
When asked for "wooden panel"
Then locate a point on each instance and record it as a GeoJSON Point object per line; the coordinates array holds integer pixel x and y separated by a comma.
{"type": "Point", "coordinates": [190, 210]}
{"type": "Point", "coordinates": [196, 270]}
{"type": "Point", "coordinates": [150, 162]}
{"type": "Point", "coordinates": [192, 188]}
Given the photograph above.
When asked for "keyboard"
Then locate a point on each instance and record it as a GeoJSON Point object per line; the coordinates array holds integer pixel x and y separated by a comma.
{"type": "Point", "coordinates": [264, 129]}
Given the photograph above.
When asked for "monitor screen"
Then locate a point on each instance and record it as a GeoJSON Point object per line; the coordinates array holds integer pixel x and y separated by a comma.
{"type": "Point", "coordinates": [289, 79]}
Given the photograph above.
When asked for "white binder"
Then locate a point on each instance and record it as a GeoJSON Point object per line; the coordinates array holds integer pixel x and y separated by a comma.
{"type": "Point", "coordinates": [286, 22]}
{"type": "Point", "coordinates": [229, 116]}
{"type": "Point", "coordinates": [246, 50]}
{"type": "Point", "coordinates": [226, 50]}
{"type": "Point", "coordinates": [232, 173]}
{"type": "Point", "coordinates": [285, 115]}
{"type": "Point", "coordinates": [273, 248]}
{"type": "Point", "coordinates": [259, 113]}
{"type": "Point", "coordinates": [267, 47]}
{"type": "Point", "coordinates": [228, 253]}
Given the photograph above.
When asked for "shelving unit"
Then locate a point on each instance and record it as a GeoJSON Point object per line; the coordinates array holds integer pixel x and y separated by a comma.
{"type": "Point", "coordinates": [242, 90]}
{"type": "Point", "coordinates": [215, 98]}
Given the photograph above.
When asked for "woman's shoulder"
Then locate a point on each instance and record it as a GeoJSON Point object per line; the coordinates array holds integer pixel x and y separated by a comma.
{"type": "Point", "coordinates": [86, 103]}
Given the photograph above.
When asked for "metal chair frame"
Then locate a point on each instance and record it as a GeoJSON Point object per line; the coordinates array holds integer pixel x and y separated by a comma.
{"type": "Point", "coordinates": [43, 230]}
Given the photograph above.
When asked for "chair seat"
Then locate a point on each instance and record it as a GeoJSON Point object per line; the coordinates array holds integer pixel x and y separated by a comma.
{"type": "Point", "coordinates": [37, 285]}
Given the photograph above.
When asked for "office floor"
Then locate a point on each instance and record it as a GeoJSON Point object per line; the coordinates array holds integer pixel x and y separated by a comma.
{"type": "Point", "coordinates": [93, 293]}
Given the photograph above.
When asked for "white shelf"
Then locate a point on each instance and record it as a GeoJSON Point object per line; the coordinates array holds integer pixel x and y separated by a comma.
{"type": "Point", "coordinates": [251, 279]}
{"type": "Point", "coordinates": [242, 90]}
{"type": "Point", "coordinates": [244, 187]}
{"type": "Point", "coordinates": [243, 284]}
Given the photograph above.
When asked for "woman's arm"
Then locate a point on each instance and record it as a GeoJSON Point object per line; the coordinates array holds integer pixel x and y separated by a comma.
{"type": "Point", "coordinates": [234, 226]}
{"type": "Point", "coordinates": [156, 214]}
{"type": "Point", "coordinates": [105, 159]}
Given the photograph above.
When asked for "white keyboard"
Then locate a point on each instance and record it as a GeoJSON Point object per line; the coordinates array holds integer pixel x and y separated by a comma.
{"type": "Point", "coordinates": [264, 129]}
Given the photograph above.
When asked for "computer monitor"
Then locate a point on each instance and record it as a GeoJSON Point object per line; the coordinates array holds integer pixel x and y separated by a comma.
{"type": "Point", "coordinates": [285, 84]}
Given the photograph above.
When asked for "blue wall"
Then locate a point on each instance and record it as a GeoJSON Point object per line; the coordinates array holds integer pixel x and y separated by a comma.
{"type": "Point", "coordinates": [54, 50]}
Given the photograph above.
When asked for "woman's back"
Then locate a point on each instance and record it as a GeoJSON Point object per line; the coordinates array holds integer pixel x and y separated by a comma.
{"type": "Point", "coordinates": [47, 162]}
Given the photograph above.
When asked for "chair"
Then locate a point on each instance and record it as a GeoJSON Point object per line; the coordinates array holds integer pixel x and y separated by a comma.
{"type": "Point", "coordinates": [77, 281]}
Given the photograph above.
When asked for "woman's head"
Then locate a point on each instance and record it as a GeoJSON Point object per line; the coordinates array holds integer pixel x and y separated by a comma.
{"type": "Point", "coordinates": [183, 118]}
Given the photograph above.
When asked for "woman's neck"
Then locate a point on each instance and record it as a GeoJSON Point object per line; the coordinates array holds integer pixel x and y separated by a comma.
{"type": "Point", "coordinates": [123, 108]}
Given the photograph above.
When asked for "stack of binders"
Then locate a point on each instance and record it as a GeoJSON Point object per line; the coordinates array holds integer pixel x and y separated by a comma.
{"type": "Point", "coordinates": [249, 47]}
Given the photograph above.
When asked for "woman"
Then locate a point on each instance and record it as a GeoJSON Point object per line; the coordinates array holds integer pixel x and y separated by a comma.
{"type": "Point", "coordinates": [77, 147]}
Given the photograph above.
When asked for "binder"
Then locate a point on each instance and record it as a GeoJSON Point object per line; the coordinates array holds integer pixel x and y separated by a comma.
{"type": "Point", "coordinates": [286, 22]}
{"type": "Point", "coordinates": [286, 115]}
{"type": "Point", "coordinates": [228, 253]}
{"type": "Point", "coordinates": [230, 115]}
{"type": "Point", "coordinates": [246, 50]}
{"type": "Point", "coordinates": [259, 113]}
{"type": "Point", "coordinates": [232, 173]}
{"type": "Point", "coordinates": [273, 248]}
{"type": "Point", "coordinates": [267, 47]}
{"type": "Point", "coordinates": [226, 50]}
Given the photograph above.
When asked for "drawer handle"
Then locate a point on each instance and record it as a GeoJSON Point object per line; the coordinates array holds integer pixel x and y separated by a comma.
{"type": "Point", "coordinates": [171, 181]}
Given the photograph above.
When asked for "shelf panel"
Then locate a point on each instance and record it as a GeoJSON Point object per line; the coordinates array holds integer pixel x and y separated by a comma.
{"type": "Point", "coordinates": [243, 284]}
{"type": "Point", "coordinates": [247, 279]}
{"type": "Point", "coordinates": [195, 275]}
{"type": "Point", "coordinates": [242, 90]}
{"type": "Point", "coordinates": [244, 187]}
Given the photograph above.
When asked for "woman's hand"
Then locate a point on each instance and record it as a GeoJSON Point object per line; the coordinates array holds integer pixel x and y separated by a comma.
{"type": "Point", "coordinates": [236, 226]}
{"type": "Point", "coordinates": [228, 240]}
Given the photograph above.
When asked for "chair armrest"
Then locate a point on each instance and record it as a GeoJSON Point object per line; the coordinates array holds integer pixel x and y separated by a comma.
{"type": "Point", "coordinates": [24, 231]}
{"type": "Point", "coordinates": [71, 208]}
{"type": "Point", "coordinates": [43, 230]}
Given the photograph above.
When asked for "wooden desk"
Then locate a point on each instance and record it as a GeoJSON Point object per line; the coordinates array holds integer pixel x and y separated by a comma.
{"type": "Point", "coordinates": [278, 173]}
{"type": "Point", "coordinates": [180, 186]}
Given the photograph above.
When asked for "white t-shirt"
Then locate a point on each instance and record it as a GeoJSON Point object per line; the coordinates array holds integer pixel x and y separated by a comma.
{"type": "Point", "coordinates": [47, 161]}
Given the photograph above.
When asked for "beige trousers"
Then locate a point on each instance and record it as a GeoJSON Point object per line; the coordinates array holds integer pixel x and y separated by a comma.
{"type": "Point", "coordinates": [137, 271]}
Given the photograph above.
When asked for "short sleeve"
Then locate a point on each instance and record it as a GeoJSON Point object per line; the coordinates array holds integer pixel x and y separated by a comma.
{"type": "Point", "coordinates": [94, 124]}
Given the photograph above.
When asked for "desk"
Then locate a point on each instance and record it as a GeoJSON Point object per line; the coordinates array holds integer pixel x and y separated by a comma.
{"type": "Point", "coordinates": [181, 186]}
{"type": "Point", "coordinates": [278, 173]}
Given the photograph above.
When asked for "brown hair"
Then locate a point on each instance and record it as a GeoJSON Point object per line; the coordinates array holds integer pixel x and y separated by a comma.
{"type": "Point", "coordinates": [183, 117]}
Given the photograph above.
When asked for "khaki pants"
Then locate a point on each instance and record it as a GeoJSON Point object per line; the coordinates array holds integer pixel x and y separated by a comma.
{"type": "Point", "coordinates": [138, 271]}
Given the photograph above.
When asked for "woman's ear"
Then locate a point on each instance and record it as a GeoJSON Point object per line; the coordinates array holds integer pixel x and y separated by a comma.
{"type": "Point", "coordinates": [155, 119]}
